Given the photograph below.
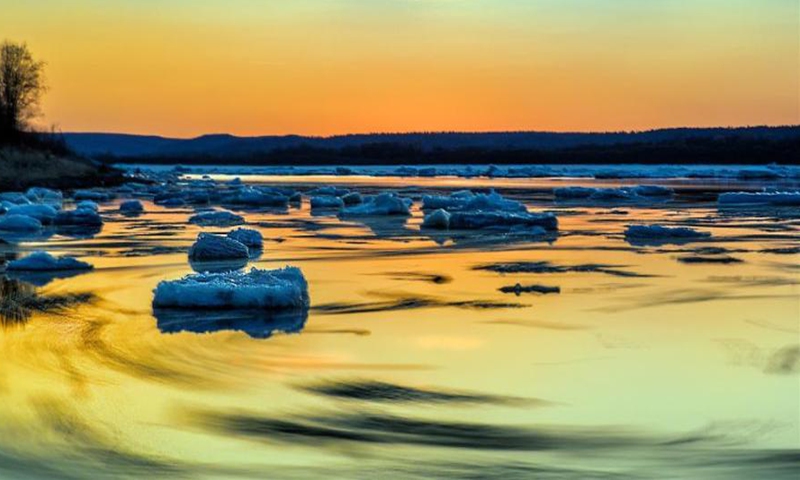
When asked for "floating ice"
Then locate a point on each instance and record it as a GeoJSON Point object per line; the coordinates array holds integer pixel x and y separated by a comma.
{"type": "Point", "coordinates": [438, 219]}
{"type": "Point", "coordinates": [284, 288]}
{"type": "Point", "coordinates": [252, 196]}
{"type": "Point", "coordinates": [326, 201]}
{"type": "Point", "coordinates": [209, 247]}
{"type": "Point", "coordinates": [46, 196]}
{"type": "Point", "coordinates": [383, 204]}
{"type": "Point", "coordinates": [79, 217]}
{"type": "Point", "coordinates": [480, 220]}
{"type": "Point", "coordinates": [94, 195]}
{"type": "Point", "coordinates": [19, 223]}
{"type": "Point", "coordinates": [779, 199]}
{"type": "Point", "coordinates": [216, 218]}
{"type": "Point", "coordinates": [131, 207]}
{"type": "Point", "coordinates": [252, 239]}
{"type": "Point", "coordinates": [328, 191]}
{"type": "Point", "coordinates": [659, 235]}
{"type": "Point", "coordinates": [466, 200]}
{"type": "Point", "coordinates": [87, 205]}
{"type": "Point", "coordinates": [641, 192]}
{"type": "Point", "coordinates": [17, 198]}
{"type": "Point", "coordinates": [44, 213]}
{"type": "Point", "coordinates": [352, 198]}
{"type": "Point", "coordinates": [44, 262]}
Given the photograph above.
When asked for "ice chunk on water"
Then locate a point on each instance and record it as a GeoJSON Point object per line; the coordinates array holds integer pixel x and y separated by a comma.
{"type": "Point", "coordinates": [131, 207]}
{"type": "Point", "coordinates": [352, 198]}
{"type": "Point", "coordinates": [44, 262]}
{"type": "Point", "coordinates": [44, 213]}
{"type": "Point", "coordinates": [79, 217]}
{"type": "Point", "coordinates": [480, 220]}
{"type": "Point", "coordinates": [87, 205]}
{"type": "Point", "coordinates": [326, 201]}
{"type": "Point", "coordinates": [439, 219]}
{"type": "Point", "coordinates": [466, 200]}
{"type": "Point", "coordinates": [453, 201]}
{"type": "Point", "coordinates": [19, 223]}
{"type": "Point", "coordinates": [252, 239]}
{"type": "Point", "coordinates": [383, 204]}
{"type": "Point", "coordinates": [210, 247]}
{"type": "Point", "coordinates": [660, 235]}
{"type": "Point", "coordinates": [216, 218]}
{"type": "Point", "coordinates": [284, 288]}
{"type": "Point", "coordinates": [45, 196]}
{"type": "Point", "coordinates": [17, 198]}
{"type": "Point", "coordinates": [640, 192]}
{"type": "Point", "coordinates": [779, 199]}
{"type": "Point", "coordinates": [94, 195]}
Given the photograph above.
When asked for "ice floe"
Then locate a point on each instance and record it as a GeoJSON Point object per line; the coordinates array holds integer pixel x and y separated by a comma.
{"type": "Point", "coordinates": [625, 194]}
{"type": "Point", "coordinates": [210, 247]}
{"type": "Point", "coordinates": [438, 219]}
{"type": "Point", "coordinates": [44, 213]}
{"type": "Point", "coordinates": [284, 288]}
{"type": "Point", "coordinates": [19, 223]}
{"type": "Point", "coordinates": [326, 201]}
{"type": "Point", "coordinates": [778, 199]}
{"type": "Point", "coordinates": [252, 239]}
{"type": "Point", "coordinates": [504, 220]}
{"type": "Point", "coordinates": [382, 204]}
{"type": "Point", "coordinates": [131, 207]}
{"type": "Point", "coordinates": [661, 235]}
{"type": "Point", "coordinates": [40, 261]}
{"type": "Point", "coordinates": [216, 218]}
{"type": "Point", "coordinates": [80, 217]}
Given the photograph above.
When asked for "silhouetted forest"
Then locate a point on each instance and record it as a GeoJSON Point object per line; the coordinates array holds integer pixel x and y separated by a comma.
{"type": "Point", "coordinates": [743, 149]}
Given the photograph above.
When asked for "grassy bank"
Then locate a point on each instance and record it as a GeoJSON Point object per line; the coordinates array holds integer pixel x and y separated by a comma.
{"type": "Point", "coordinates": [21, 168]}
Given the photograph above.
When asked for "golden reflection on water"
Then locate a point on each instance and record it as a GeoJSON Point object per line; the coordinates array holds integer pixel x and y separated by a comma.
{"type": "Point", "coordinates": [678, 351]}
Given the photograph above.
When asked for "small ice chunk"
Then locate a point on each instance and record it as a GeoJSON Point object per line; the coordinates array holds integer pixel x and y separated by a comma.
{"type": "Point", "coordinates": [480, 220]}
{"type": "Point", "coordinates": [46, 196]}
{"type": "Point", "coordinates": [44, 213]}
{"type": "Point", "coordinates": [87, 205]}
{"type": "Point", "coordinates": [328, 191]}
{"type": "Point", "coordinates": [326, 201]}
{"type": "Point", "coordinates": [210, 247]}
{"type": "Point", "coordinates": [661, 232]}
{"type": "Point", "coordinates": [44, 262]}
{"type": "Point", "coordinates": [131, 207]}
{"type": "Point", "coordinates": [352, 198]}
{"type": "Point", "coordinates": [284, 288]}
{"type": "Point", "coordinates": [216, 218]}
{"type": "Point", "coordinates": [383, 204]}
{"type": "Point", "coordinates": [652, 191]}
{"type": "Point", "coordinates": [79, 217]}
{"type": "Point", "coordinates": [251, 239]}
{"type": "Point", "coordinates": [19, 223]}
{"type": "Point", "coordinates": [438, 219]}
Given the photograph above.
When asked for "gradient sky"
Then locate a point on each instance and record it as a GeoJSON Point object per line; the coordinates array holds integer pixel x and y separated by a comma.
{"type": "Point", "coordinates": [249, 67]}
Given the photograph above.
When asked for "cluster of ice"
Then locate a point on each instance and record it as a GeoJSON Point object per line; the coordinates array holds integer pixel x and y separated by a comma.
{"type": "Point", "coordinates": [131, 207]}
{"type": "Point", "coordinates": [466, 200]}
{"type": "Point", "coordinates": [465, 210]}
{"type": "Point", "coordinates": [216, 218]}
{"type": "Point", "coordinates": [251, 239]}
{"type": "Point", "coordinates": [382, 204]}
{"type": "Point", "coordinates": [284, 288]}
{"type": "Point", "coordinates": [19, 223]}
{"type": "Point", "coordinates": [42, 212]}
{"type": "Point", "coordinates": [210, 247]}
{"type": "Point", "coordinates": [44, 262]}
{"type": "Point", "coordinates": [658, 234]}
{"type": "Point", "coordinates": [45, 196]}
{"type": "Point", "coordinates": [641, 192]}
{"type": "Point", "coordinates": [777, 199]}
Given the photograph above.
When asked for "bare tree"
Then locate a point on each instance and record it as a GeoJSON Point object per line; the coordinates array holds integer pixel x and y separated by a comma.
{"type": "Point", "coordinates": [21, 87]}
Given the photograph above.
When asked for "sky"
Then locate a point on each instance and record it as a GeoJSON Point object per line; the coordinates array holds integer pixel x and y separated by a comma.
{"type": "Point", "coordinates": [320, 67]}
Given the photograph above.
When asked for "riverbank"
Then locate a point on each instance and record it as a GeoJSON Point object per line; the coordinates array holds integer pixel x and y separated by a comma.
{"type": "Point", "coordinates": [21, 168]}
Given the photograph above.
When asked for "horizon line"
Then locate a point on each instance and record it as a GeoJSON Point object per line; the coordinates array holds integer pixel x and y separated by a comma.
{"type": "Point", "coordinates": [435, 132]}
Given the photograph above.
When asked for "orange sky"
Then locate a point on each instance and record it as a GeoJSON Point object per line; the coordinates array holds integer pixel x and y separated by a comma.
{"type": "Point", "coordinates": [249, 67]}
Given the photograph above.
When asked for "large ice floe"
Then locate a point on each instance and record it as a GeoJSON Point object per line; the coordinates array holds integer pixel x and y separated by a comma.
{"type": "Point", "coordinates": [280, 289]}
{"type": "Point", "coordinates": [40, 261]}
{"type": "Point", "coordinates": [622, 194]}
{"type": "Point", "coordinates": [210, 247]}
{"type": "Point", "coordinates": [131, 207]}
{"type": "Point", "coordinates": [216, 218]}
{"type": "Point", "coordinates": [378, 205]}
{"type": "Point", "coordinates": [661, 235]}
{"type": "Point", "coordinates": [80, 217]}
{"type": "Point", "coordinates": [777, 199]}
{"type": "Point", "coordinates": [19, 223]}
{"type": "Point", "coordinates": [326, 202]}
{"type": "Point", "coordinates": [465, 210]}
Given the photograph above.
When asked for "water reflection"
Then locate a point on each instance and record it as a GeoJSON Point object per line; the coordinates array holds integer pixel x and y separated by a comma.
{"type": "Point", "coordinates": [255, 323]}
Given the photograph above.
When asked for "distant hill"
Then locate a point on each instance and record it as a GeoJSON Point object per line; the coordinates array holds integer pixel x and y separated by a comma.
{"type": "Point", "coordinates": [229, 147]}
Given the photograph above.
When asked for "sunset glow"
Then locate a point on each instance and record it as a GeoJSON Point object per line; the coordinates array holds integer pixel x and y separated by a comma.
{"type": "Point", "coordinates": [247, 67]}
